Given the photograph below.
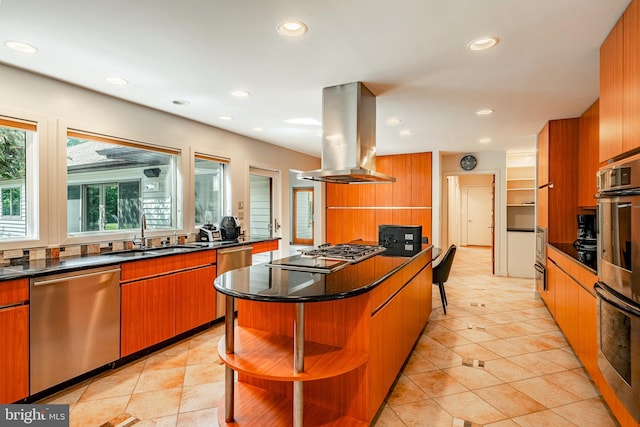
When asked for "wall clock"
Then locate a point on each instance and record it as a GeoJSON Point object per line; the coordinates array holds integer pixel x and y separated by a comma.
{"type": "Point", "coordinates": [468, 162]}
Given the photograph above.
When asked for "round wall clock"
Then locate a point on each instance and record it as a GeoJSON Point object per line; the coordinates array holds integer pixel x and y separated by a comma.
{"type": "Point", "coordinates": [468, 162]}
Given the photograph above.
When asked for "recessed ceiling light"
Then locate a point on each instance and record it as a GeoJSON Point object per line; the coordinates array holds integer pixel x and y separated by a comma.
{"type": "Point", "coordinates": [21, 47]}
{"type": "Point", "coordinates": [304, 121]}
{"type": "Point", "coordinates": [484, 112]}
{"type": "Point", "coordinates": [225, 117]}
{"type": "Point", "coordinates": [483, 43]}
{"type": "Point", "coordinates": [181, 102]}
{"type": "Point", "coordinates": [394, 121]}
{"type": "Point", "coordinates": [292, 28]}
{"type": "Point", "coordinates": [405, 132]}
{"type": "Point", "coordinates": [118, 81]}
{"type": "Point", "coordinates": [258, 129]}
{"type": "Point", "coordinates": [484, 140]}
{"type": "Point", "coordinates": [241, 93]}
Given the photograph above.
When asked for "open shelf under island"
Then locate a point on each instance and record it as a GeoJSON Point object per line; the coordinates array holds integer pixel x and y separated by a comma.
{"type": "Point", "coordinates": [350, 331]}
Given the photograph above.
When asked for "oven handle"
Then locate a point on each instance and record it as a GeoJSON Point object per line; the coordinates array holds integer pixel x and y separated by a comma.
{"type": "Point", "coordinates": [615, 301]}
{"type": "Point", "coordinates": [610, 194]}
{"type": "Point", "coordinates": [542, 270]}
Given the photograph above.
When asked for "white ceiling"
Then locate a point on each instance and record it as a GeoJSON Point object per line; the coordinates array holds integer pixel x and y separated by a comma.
{"type": "Point", "coordinates": [411, 53]}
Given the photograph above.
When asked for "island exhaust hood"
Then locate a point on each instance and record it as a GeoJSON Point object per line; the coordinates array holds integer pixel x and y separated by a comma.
{"type": "Point", "coordinates": [348, 137]}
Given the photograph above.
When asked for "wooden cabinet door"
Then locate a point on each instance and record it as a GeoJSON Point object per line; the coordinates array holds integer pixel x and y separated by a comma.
{"type": "Point", "coordinates": [147, 313]}
{"type": "Point", "coordinates": [543, 156]}
{"type": "Point", "coordinates": [14, 357]}
{"type": "Point", "coordinates": [611, 94]}
{"type": "Point", "coordinates": [195, 298]}
{"type": "Point", "coordinates": [402, 187]}
{"type": "Point", "coordinates": [420, 179]}
{"type": "Point", "coordinates": [542, 207]}
{"type": "Point", "coordinates": [631, 77]}
{"type": "Point", "coordinates": [588, 156]}
{"type": "Point", "coordinates": [567, 308]}
{"type": "Point", "coordinates": [384, 192]}
{"type": "Point", "coordinates": [588, 331]}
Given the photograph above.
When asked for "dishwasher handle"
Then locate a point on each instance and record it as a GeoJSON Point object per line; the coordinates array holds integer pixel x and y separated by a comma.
{"type": "Point", "coordinates": [74, 276]}
{"type": "Point", "coordinates": [234, 250]}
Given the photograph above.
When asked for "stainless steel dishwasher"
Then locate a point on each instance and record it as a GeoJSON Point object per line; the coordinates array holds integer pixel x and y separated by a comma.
{"type": "Point", "coordinates": [230, 259]}
{"type": "Point", "coordinates": [74, 325]}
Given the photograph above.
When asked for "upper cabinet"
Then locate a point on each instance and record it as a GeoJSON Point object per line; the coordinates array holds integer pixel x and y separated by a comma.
{"type": "Point", "coordinates": [588, 156]}
{"type": "Point", "coordinates": [620, 87]}
{"type": "Point", "coordinates": [557, 179]}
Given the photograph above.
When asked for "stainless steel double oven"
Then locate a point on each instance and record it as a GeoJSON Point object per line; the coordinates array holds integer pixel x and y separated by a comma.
{"type": "Point", "coordinates": [618, 288]}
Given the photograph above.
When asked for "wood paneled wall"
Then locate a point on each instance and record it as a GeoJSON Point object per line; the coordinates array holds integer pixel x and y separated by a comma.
{"type": "Point", "coordinates": [354, 211]}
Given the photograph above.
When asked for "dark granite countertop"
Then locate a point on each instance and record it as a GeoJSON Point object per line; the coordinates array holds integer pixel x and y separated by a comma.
{"type": "Point", "coordinates": [572, 252]}
{"type": "Point", "coordinates": [42, 267]}
{"type": "Point", "coordinates": [263, 283]}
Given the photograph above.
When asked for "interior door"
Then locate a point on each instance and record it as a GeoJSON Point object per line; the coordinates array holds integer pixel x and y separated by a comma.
{"type": "Point", "coordinates": [303, 216]}
{"type": "Point", "coordinates": [263, 202]}
{"type": "Point", "coordinates": [479, 215]}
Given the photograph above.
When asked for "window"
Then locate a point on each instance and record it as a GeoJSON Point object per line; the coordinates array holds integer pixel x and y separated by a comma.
{"type": "Point", "coordinates": [112, 182]}
{"type": "Point", "coordinates": [17, 141]}
{"type": "Point", "coordinates": [209, 189]}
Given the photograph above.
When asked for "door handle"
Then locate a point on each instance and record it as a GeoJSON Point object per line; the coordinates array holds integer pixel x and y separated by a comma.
{"type": "Point", "coordinates": [277, 224]}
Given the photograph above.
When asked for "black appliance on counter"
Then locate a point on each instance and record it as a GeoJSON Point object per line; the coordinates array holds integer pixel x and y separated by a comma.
{"type": "Point", "coordinates": [586, 243]}
{"type": "Point", "coordinates": [618, 288]}
{"type": "Point", "coordinates": [209, 233]}
{"type": "Point", "coordinates": [229, 228]}
{"type": "Point", "coordinates": [400, 240]}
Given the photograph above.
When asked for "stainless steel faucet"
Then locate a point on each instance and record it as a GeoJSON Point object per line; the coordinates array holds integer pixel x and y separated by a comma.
{"type": "Point", "coordinates": [143, 224]}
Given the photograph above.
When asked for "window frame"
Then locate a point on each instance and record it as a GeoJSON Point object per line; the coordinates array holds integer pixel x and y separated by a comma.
{"type": "Point", "coordinates": [225, 186]}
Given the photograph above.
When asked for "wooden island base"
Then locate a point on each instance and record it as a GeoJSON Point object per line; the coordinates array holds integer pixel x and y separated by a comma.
{"type": "Point", "coordinates": [354, 345]}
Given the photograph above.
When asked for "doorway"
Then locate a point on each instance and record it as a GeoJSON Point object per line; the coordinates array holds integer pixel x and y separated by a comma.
{"type": "Point", "coordinates": [470, 217]}
{"type": "Point", "coordinates": [303, 216]}
{"type": "Point", "coordinates": [263, 202]}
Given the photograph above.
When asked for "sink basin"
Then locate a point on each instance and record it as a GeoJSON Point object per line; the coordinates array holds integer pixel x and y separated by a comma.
{"type": "Point", "coordinates": [148, 252]}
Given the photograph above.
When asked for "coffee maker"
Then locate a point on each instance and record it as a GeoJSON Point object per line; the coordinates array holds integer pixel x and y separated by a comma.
{"type": "Point", "coordinates": [586, 242]}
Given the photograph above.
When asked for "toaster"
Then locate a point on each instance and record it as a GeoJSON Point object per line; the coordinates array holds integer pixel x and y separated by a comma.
{"type": "Point", "coordinates": [209, 233]}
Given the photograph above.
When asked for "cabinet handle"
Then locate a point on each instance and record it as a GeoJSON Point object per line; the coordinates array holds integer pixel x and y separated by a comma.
{"type": "Point", "coordinates": [549, 184]}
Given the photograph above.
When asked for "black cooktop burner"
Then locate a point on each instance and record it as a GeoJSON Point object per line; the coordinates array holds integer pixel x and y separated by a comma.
{"type": "Point", "coordinates": [345, 251]}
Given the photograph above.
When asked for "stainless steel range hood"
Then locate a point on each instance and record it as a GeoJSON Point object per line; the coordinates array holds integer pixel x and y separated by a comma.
{"type": "Point", "coordinates": [348, 137]}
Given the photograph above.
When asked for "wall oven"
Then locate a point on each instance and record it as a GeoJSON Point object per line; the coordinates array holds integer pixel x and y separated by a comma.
{"type": "Point", "coordinates": [618, 288]}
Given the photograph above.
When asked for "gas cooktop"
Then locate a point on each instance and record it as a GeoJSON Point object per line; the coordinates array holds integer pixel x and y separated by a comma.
{"type": "Point", "coordinates": [327, 258]}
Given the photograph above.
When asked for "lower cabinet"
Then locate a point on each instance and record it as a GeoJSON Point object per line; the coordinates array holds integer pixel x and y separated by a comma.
{"type": "Point", "coordinates": [195, 300]}
{"type": "Point", "coordinates": [14, 357]}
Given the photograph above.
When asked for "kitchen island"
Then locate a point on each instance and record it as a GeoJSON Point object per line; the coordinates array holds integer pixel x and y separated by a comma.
{"type": "Point", "coordinates": [323, 349]}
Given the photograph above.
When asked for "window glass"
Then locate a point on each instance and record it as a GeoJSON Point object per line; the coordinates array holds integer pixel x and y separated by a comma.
{"type": "Point", "coordinates": [209, 190]}
{"type": "Point", "coordinates": [15, 138]}
{"type": "Point", "coordinates": [111, 183]}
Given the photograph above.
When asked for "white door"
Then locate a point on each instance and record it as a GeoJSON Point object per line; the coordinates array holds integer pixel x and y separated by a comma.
{"type": "Point", "coordinates": [263, 202]}
{"type": "Point", "coordinates": [479, 215]}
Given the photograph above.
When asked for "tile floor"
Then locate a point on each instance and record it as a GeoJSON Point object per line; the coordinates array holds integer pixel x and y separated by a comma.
{"type": "Point", "coordinates": [495, 359]}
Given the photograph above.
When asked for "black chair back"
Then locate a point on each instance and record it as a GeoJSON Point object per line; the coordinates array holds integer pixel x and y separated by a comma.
{"type": "Point", "coordinates": [441, 271]}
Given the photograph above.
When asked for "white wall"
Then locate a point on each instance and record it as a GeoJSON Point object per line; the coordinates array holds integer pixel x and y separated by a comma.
{"type": "Point", "coordinates": [56, 106]}
{"type": "Point", "coordinates": [491, 163]}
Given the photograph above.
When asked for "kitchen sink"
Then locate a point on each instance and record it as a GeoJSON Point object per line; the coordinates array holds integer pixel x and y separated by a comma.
{"type": "Point", "coordinates": [150, 252]}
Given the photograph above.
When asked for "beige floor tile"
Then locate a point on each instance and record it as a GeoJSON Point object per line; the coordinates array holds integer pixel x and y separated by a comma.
{"type": "Point", "coordinates": [154, 404]}
{"type": "Point", "coordinates": [508, 400]}
{"type": "Point", "coordinates": [201, 354]}
{"type": "Point", "coordinates": [474, 351]}
{"type": "Point", "coordinates": [503, 423]}
{"type": "Point", "coordinates": [201, 396]}
{"type": "Point", "coordinates": [437, 383]}
{"type": "Point", "coordinates": [472, 377]}
{"type": "Point", "coordinates": [425, 413]}
{"type": "Point", "coordinates": [388, 418]}
{"type": "Point", "coordinates": [545, 392]}
{"type": "Point", "coordinates": [405, 391]}
{"type": "Point", "coordinates": [448, 338]}
{"type": "Point", "coordinates": [97, 412]}
{"type": "Point", "coordinates": [587, 413]}
{"type": "Point", "coordinates": [561, 357]}
{"type": "Point", "coordinates": [503, 348]}
{"type": "Point", "coordinates": [69, 396]}
{"type": "Point", "coordinates": [173, 357]}
{"type": "Point", "coordinates": [546, 418]}
{"type": "Point", "coordinates": [202, 374]}
{"type": "Point", "coordinates": [477, 335]}
{"type": "Point", "coordinates": [468, 406]}
{"type": "Point", "coordinates": [436, 353]}
{"type": "Point", "coordinates": [574, 383]}
{"type": "Point", "coordinates": [417, 364]}
{"type": "Point", "coordinates": [168, 421]}
{"type": "Point", "coordinates": [507, 371]}
{"type": "Point", "coordinates": [202, 418]}
{"type": "Point", "coordinates": [536, 364]}
{"type": "Point", "coordinates": [110, 386]}
{"type": "Point", "coordinates": [160, 379]}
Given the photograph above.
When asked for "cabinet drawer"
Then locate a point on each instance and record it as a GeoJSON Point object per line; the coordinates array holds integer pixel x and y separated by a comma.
{"type": "Point", "coordinates": [165, 265]}
{"type": "Point", "coordinates": [264, 246]}
{"type": "Point", "coordinates": [14, 291]}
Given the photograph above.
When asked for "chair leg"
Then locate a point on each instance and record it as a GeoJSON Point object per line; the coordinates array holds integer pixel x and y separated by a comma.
{"type": "Point", "coordinates": [443, 297]}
